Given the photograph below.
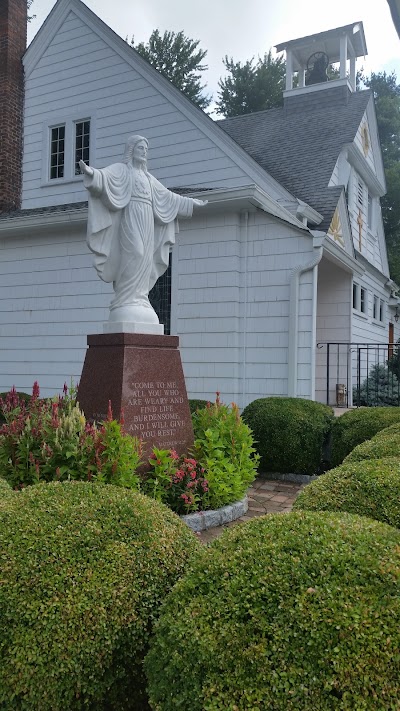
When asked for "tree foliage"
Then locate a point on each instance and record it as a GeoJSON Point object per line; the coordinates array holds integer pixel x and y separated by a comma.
{"type": "Point", "coordinates": [386, 92]}
{"type": "Point", "coordinates": [29, 3]}
{"type": "Point", "coordinates": [251, 86]}
{"type": "Point", "coordinates": [179, 59]}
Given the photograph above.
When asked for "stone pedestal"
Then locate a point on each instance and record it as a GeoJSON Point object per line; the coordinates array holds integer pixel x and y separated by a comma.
{"type": "Point", "coordinates": [142, 376]}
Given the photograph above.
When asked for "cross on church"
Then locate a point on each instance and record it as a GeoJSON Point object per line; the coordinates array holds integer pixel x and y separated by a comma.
{"type": "Point", "coordinates": [360, 223]}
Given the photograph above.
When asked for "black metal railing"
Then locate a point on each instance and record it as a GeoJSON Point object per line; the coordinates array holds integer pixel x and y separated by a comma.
{"type": "Point", "coordinates": [358, 374]}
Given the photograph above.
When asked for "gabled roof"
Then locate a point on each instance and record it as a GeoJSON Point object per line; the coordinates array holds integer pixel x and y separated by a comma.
{"type": "Point", "coordinates": [300, 148]}
{"type": "Point", "coordinates": [200, 119]}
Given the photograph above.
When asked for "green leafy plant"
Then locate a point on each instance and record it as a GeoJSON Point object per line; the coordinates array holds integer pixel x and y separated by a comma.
{"type": "Point", "coordinates": [176, 481]}
{"type": "Point", "coordinates": [356, 426]}
{"type": "Point", "coordinates": [224, 447]}
{"type": "Point", "coordinates": [46, 440]}
{"type": "Point", "coordinates": [368, 488]}
{"type": "Point", "coordinates": [291, 613]}
{"type": "Point", "coordinates": [85, 569]}
{"type": "Point", "coordinates": [290, 433]}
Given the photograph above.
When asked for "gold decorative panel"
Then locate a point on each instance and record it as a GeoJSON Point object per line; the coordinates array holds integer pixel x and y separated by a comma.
{"type": "Point", "coordinates": [335, 229]}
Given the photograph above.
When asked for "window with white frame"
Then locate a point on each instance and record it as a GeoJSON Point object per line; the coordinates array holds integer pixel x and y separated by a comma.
{"type": "Point", "coordinates": [378, 312]}
{"type": "Point", "coordinates": [57, 151]}
{"type": "Point", "coordinates": [69, 142]}
{"type": "Point", "coordinates": [82, 139]}
{"type": "Point", "coordinates": [360, 298]}
{"type": "Point", "coordinates": [376, 308]}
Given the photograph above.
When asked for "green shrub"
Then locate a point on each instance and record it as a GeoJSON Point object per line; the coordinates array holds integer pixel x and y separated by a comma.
{"type": "Point", "coordinates": [47, 440]}
{"type": "Point", "coordinates": [384, 444]}
{"type": "Point", "coordinates": [84, 571]}
{"type": "Point", "coordinates": [5, 489]}
{"type": "Point", "coordinates": [223, 446]}
{"type": "Point", "coordinates": [380, 389]}
{"type": "Point", "coordinates": [289, 433]}
{"type": "Point", "coordinates": [290, 613]}
{"type": "Point", "coordinates": [356, 426]}
{"type": "Point", "coordinates": [197, 404]}
{"type": "Point", "coordinates": [368, 488]}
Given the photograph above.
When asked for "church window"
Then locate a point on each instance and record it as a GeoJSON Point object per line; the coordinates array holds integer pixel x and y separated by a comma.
{"type": "Point", "coordinates": [82, 139]}
{"type": "Point", "coordinates": [360, 298]}
{"type": "Point", "coordinates": [376, 308]}
{"type": "Point", "coordinates": [57, 152]}
{"type": "Point", "coordinates": [363, 300]}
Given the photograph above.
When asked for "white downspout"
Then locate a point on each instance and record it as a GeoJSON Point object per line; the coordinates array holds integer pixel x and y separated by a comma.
{"type": "Point", "coordinates": [245, 237]}
{"type": "Point", "coordinates": [294, 312]}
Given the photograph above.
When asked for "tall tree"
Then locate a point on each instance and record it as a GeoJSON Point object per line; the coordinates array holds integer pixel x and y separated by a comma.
{"type": "Point", "coordinates": [386, 92]}
{"type": "Point", "coordinates": [251, 86]}
{"type": "Point", "coordinates": [29, 3]}
{"type": "Point", "coordinates": [179, 59]}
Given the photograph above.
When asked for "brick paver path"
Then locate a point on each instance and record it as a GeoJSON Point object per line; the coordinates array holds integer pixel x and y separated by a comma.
{"type": "Point", "coordinates": [265, 497]}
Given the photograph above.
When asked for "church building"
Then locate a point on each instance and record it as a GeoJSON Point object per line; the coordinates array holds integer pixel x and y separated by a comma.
{"type": "Point", "coordinates": [287, 260]}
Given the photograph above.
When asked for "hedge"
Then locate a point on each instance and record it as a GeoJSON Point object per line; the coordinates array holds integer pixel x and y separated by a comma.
{"type": "Point", "coordinates": [368, 488]}
{"type": "Point", "coordinates": [84, 570]}
{"type": "Point", "coordinates": [5, 490]}
{"type": "Point", "coordinates": [384, 444]}
{"type": "Point", "coordinates": [197, 405]}
{"type": "Point", "coordinates": [289, 433]}
{"type": "Point", "coordinates": [356, 426]}
{"type": "Point", "coordinates": [288, 613]}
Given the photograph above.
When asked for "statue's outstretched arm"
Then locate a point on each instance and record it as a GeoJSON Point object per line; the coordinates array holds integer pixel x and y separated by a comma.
{"type": "Point", "coordinates": [85, 169]}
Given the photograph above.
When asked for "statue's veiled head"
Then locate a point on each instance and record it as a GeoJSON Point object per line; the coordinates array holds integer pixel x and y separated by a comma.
{"type": "Point", "coordinates": [136, 150]}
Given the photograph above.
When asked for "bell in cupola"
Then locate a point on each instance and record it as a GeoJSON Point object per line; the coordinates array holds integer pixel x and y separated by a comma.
{"type": "Point", "coordinates": [317, 65]}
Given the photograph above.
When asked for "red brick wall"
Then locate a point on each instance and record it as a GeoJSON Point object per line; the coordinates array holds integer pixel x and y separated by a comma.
{"type": "Point", "coordinates": [13, 18]}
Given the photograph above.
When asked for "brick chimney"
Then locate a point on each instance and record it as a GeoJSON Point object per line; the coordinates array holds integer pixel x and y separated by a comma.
{"type": "Point", "coordinates": [13, 19]}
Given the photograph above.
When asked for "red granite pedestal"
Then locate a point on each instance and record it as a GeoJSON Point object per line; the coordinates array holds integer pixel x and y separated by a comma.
{"type": "Point", "coordinates": [142, 375]}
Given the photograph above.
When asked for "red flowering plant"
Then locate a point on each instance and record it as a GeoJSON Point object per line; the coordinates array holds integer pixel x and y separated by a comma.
{"type": "Point", "coordinates": [46, 440]}
{"type": "Point", "coordinates": [178, 482]}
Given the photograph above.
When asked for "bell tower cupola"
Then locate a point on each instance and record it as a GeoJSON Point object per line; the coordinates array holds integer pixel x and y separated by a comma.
{"type": "Point", "coordinates": [308, 60]}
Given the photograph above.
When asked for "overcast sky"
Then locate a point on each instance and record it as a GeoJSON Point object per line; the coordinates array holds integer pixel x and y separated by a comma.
{"type": "Point", "coordinates": [243, 28]}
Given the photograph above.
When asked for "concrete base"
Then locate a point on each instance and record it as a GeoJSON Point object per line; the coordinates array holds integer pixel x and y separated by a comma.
{"type": "Point", "coordinates": [142, 376]}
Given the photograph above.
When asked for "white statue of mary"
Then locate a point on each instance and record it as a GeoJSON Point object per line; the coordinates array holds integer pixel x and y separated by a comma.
{"type": "Point", "coordinates": [131, 230]}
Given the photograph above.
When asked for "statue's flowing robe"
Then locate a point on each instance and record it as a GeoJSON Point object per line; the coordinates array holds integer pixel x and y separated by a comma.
{"type": "Point", "coordinates": [131, 229]}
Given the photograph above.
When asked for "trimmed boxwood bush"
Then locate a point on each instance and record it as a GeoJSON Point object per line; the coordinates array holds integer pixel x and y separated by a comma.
{"type": "Point", "coordinates": [197, 405]}
{"type": "Point", "coordinates": [289, 433]}
{"type": "Point", "coordinates": [355, 426]}
{"type": "Point", "coordinates": [84, 568]}
{"type": "Point", "coordinates": [288, 613]}
{"type": "Point", "coordinates": [368, 488]}
{"type": "Point", "coordinates": [5, 489]}
{"type": "Point", "coordinates": [384, 444]}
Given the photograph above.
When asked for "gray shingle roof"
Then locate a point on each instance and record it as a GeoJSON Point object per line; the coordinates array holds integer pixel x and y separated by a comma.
{"type": "Point", "coordinates": [299, 148]}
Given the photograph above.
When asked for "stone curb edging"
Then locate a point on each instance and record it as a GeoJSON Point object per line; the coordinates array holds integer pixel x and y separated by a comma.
{"type": "Point", "coordinates": [202, 520]}
{"type": "Point", "coordinates": [293, 478]}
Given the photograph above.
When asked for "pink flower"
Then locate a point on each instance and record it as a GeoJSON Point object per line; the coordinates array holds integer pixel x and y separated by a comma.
{"type": "Point", "coordinates": [174, 454]}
